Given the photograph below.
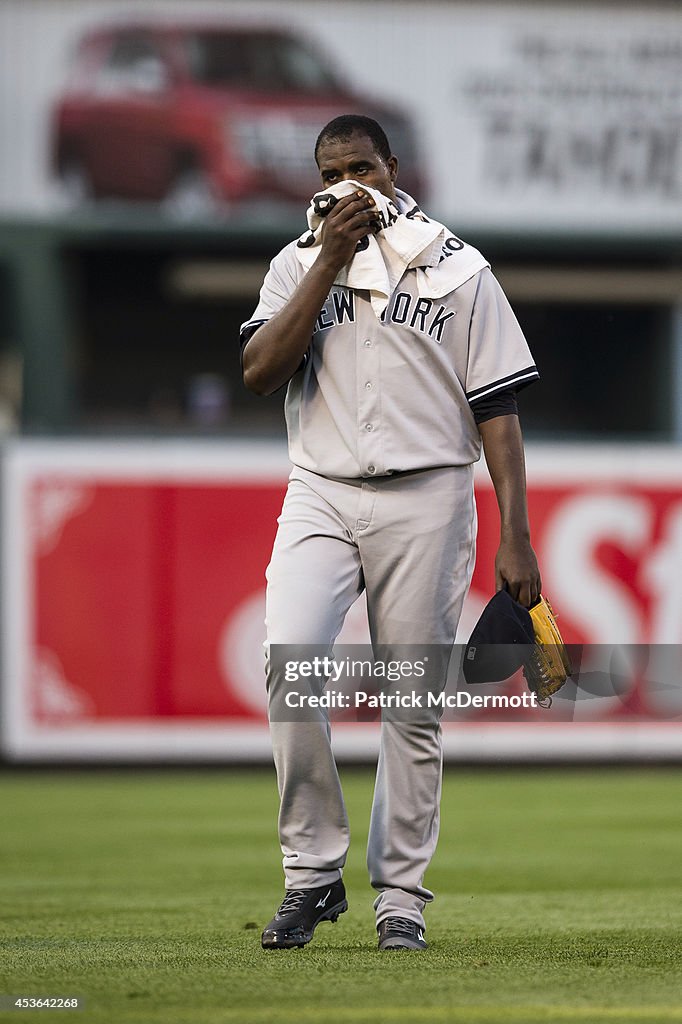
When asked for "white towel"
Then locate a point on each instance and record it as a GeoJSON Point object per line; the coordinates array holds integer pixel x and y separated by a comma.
{"type": "Point", "coordinates": [407, 239]}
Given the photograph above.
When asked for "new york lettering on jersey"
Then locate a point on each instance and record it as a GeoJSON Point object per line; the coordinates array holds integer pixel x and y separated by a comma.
{"type": "Point", "coordinates": [424, 315]}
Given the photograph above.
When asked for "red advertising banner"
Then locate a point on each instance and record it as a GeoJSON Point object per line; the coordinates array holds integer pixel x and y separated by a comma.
{"type": "Point", "coordinates": [134, 601]}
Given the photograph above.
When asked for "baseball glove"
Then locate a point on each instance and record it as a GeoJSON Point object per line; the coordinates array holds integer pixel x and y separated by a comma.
{"type": "Point", "coordinates": [549, 665]}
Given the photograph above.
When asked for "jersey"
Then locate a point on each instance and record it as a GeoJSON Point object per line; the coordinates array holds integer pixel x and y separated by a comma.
{"type": "Point", "coordinates": [377, 396]}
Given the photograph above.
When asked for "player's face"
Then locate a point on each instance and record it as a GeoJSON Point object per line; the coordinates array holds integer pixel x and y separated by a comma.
{"type": "Point", "coordinates": [357, 158]}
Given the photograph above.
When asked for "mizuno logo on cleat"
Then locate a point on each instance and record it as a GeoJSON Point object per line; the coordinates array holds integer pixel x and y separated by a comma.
{"type": "Point", "coordinates": [420, 935]}
{"type": "Point", "coordinates": [323, 903]}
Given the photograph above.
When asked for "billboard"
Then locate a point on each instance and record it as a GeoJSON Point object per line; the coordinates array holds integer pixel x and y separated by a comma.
{"type": "Point", "coordinates": [522, 117]}
{"type": "Point", "coordinates": [133, 604]}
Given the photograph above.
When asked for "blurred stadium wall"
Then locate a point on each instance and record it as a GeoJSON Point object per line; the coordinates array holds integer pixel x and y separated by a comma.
{"type": "Point", "coordinates": [150, 167]}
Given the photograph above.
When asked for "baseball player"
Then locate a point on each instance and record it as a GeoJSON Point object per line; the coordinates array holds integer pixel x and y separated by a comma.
{"type": "Point", "coordinates": [386, 408]}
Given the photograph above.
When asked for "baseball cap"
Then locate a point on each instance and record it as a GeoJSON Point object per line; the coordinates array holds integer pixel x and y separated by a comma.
{"type": "Point", "coordinates": [501, 641]}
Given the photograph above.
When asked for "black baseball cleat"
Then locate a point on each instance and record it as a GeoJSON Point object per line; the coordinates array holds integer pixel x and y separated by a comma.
{"type": "Point", "coordinates": [301, 912]}
{"type": "Point", "coordinates": [400, 933]}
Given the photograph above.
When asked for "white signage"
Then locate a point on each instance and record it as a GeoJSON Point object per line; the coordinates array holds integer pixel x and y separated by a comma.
{"type": "Point", "coordinates": [527, 116]}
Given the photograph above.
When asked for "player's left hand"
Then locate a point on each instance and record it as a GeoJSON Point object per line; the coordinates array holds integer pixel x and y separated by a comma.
{"type": "Point", "coordinates": [517, 571]}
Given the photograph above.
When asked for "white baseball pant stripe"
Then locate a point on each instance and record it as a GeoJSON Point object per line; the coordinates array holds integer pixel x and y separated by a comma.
{"type": "Point", "coordinates": [409, 540]}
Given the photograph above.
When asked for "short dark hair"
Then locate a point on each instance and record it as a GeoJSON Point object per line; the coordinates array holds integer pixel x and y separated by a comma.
{"type": "Point", "coordinates": [342, 128]}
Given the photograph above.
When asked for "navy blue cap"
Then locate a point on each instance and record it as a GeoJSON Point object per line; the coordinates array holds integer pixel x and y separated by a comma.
{"type": "Point", "coordinates": [501, 641]}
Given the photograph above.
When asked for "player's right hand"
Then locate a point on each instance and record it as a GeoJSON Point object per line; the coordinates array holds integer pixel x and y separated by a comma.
{"type": "Point", "coordinates": [351, 219]}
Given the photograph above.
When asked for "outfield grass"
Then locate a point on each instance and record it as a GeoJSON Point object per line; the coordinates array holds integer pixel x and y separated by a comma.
{"type": "Point", "coordinates": [559, 898]}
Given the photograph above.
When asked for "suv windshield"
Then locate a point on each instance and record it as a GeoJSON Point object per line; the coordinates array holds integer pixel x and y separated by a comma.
{"type": "Point", "coordinates": [260, 62]}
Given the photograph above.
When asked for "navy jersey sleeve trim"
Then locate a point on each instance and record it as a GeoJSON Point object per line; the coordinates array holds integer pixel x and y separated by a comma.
{"type": "Point", "coordinates": [502, 403]}
{"type": "Point", "coordinates": [517, 380]}
{"type": "Point", "coordinates": [248, 330]}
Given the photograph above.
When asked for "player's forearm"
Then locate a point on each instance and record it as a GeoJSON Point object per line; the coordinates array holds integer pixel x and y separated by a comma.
{"type": "Point", "coordinates": [274, 353]}
{"type": "Point", "coordinates": [503, 448]}
{"type": "Point", "coordinates": [516, 566]}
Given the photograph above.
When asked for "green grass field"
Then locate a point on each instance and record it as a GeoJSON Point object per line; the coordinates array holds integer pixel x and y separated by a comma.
{"type": "Point", "coordinates": [559, 898]}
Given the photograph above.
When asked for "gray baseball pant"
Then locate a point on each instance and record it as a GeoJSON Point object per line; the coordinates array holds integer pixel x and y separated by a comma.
{"type": "Point", "coordinates": [409, 540]}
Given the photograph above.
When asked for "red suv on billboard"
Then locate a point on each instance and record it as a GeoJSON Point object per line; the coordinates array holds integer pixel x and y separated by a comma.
{"type": "Point", "coordinates": [198, 114]}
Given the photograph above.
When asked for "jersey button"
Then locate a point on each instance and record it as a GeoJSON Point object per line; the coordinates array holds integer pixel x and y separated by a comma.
{"type": "Point", "coordinates": [371, 469]}
{"type": "Point", "coordinates": [369, 427]}
{"type": "Point", "coordinates": [368, 385]}
{"type": "Point", "coordinates": [368, 342]}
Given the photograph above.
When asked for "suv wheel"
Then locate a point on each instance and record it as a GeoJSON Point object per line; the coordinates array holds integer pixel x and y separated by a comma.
{"type": "Point", "coordinates": [190, 195]}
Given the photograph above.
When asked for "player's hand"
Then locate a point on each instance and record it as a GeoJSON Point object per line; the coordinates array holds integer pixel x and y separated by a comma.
{"type": "Point", "coordinates": [516, 569]}
{"type": "Point", "coordinates": [351, 219]}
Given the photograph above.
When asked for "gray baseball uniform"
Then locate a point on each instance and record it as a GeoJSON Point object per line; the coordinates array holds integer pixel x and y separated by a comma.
{"type": "Point", "coordinates": [383, 439]}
